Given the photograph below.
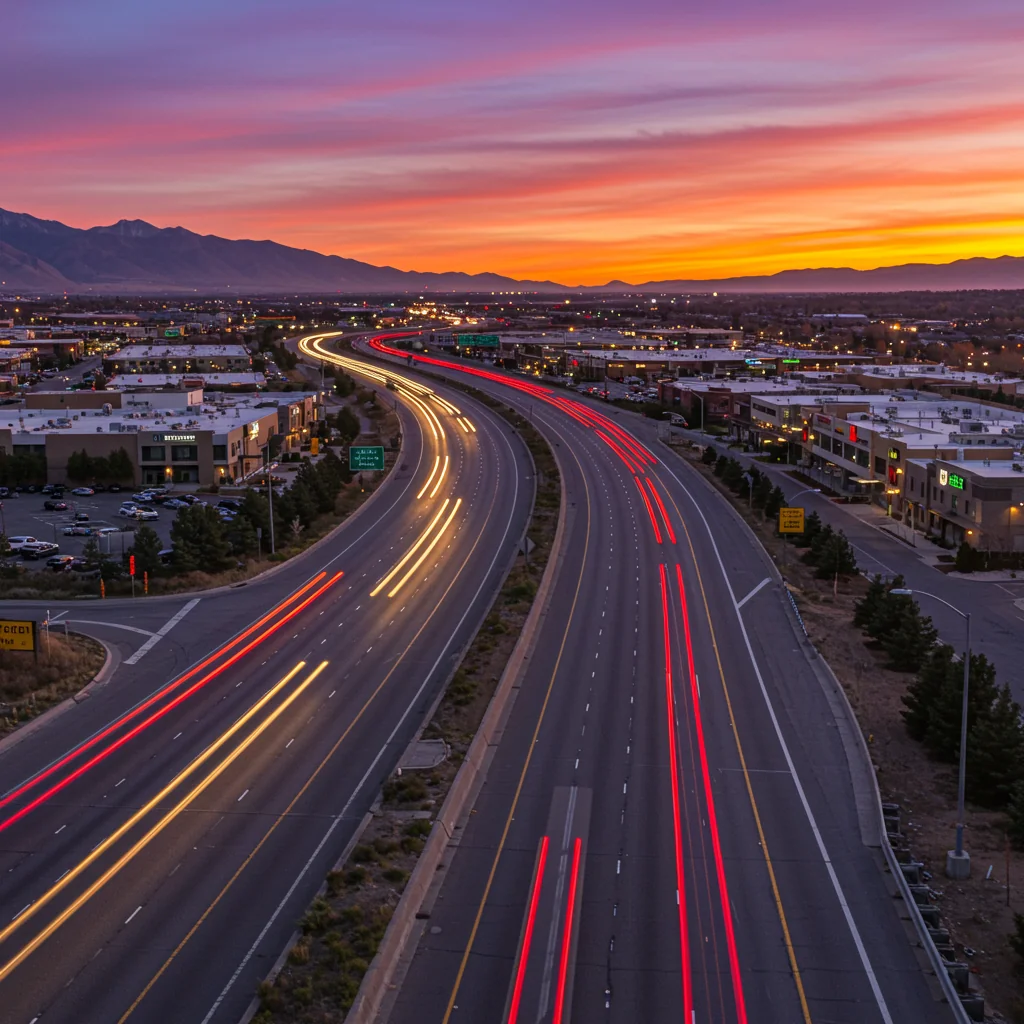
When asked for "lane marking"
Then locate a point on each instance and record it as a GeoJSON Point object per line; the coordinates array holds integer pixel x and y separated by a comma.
{"type": "Point", "coordinates": [756, 589]}
{"type": "Point", "coordinates": [161, 632]}
{"type": "Point", "coordinates": [132, 914]}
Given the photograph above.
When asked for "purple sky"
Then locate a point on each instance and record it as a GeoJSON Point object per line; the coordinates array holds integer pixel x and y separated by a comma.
{"type": "Point", "coordinates": [577, 141]}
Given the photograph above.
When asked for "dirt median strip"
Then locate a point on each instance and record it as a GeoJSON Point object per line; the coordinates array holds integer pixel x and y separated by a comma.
{"type": "Point", "coordinates": [341, 963]}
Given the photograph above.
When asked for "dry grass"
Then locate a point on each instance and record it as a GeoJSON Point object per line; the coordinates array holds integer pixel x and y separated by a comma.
{"type": "Point", "coordinates": [29, 687]}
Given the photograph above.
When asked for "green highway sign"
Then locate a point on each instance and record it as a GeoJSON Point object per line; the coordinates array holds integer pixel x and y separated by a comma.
{"type": "Point", "coordinates": [365, 457]}
{"type": "Point", "coordinates": [476, 340]}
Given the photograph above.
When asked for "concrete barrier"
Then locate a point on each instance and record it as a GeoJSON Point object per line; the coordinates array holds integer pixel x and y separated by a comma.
{"type": "Point", "coordinates": [378, 978]}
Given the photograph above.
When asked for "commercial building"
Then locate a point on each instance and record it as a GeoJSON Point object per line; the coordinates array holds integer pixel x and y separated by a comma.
{"type": "Point", "coordinates": [136, 359]}
{"type": "Point", "coordinates": [180, 437]}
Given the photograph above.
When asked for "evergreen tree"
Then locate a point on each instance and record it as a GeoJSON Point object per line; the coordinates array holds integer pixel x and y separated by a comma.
{"type": "Point", "coordinates": [146, 548]}
{"type": "Point", "coordinates": [836, 558]}
{"type": "Point", "coordinates": [943, 736]}
{"type": "Point", "coordinates": [812, 527]}
{"type": "Point", "coordinates": [347, 423]}
{"type": "Point", "coordinates": [733, 475]}
{"type": "Point", "coordinates": [775, 500]}
{"type": "Point", "coordinates": [242, 536]}
{"type": "Point", "coordinates": [909, 638]}
{"type": "Point", "coordinates": [199, 540]}
{"type": "Point", "coordinates": [119, 466]}
{"type": "Point", "coordinates": [79, 466]}
{"type": "Point", "coordinates": [864, 610]}
{"type": "Point", "coordinates": [995, 752]}
{"type": "Point", "coordinates": [924, 693]}
{"type": "Point", "coordinates": [720, 463]}
{"type": "Point", "coordinates": [813, 554]}
{"type": "Point", "coordinates": [762, 491]}
{"type": "Point", "coordinates": [1015, 816]}
{"type": "Point", "coordinates": [707, 456]}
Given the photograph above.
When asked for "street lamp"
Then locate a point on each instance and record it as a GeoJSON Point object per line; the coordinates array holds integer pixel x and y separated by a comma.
{"type": "Point", "coordinates": [958, 861]}
{"type": "Point", "coordinates": [700, 398]}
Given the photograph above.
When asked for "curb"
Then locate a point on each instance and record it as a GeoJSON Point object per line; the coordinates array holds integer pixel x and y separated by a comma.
{"type": "Point", "coordinates": [378, 978]}
{"type": "Point", "coordinates": [109, 666]}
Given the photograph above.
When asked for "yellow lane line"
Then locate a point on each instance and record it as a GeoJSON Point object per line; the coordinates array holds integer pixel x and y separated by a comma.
{"type": "Point", "coordinates": [422, 538]}
{"type": "Point", "coordinates": [526, 764]}
{"type": "Point", "coordinates": [156, 829]}
{"type": "Point", "coordinates": [430, 547]}
{"type": "Point", "coordinates": [776, 894]}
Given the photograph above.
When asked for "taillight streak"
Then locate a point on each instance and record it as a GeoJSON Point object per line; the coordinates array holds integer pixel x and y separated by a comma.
{"type": "Point", "coordinates": [650, 511]}
{"type": "Point", "coordinates": [664, 513]}
{"type": "Point", "coordinates": [570, 909]}
{"type": "Point", "coordinates": [155, 717]}
{"type": "Point", "coordinates": [618, 451]}
{"type": "Point", "coordinates": [730, 934]}
{"type": "Point", "coordinates": [149, 702]}
{"type": "Point", "coordinates": [531, 920]}
{"type": "Point", "coordinates": [677, 834]}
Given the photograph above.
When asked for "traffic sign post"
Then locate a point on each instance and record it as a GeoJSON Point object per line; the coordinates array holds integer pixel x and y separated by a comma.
{"type": "Point", "coordinates": [791, 520]}
{"type": "Point", "coordinates": [365, 457]}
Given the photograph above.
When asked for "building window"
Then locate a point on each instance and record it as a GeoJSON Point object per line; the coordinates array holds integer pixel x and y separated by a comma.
{"type": "Point", "coordinates": [953, 502]}
{"type": "Point", "coordinates": [967, 512]}
{"type": "Point", "coordinates": [184, 453]}
{"type": "Point", "coordinates": [186, 474]}
{"type": "Point", "coordinates": [879, 464]}
{"type": "Point", "coordinates": [153, 453]}
{"type": "Point", "coordinates": [220, 453]}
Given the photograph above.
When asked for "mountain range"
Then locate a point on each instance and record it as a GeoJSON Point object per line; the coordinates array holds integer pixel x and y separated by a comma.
{"type": "Point", "coordinates": [134, 257]}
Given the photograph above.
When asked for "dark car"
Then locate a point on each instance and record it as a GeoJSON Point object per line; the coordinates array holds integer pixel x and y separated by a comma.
{"type": "Point", "coordinates": [54, 505]}
{"type": "Point", "coordinates": [81, 517]}
{"type": "Point", "coordinates": [114, 488]}
{"type": "Point", "coordinates": [231, 504]}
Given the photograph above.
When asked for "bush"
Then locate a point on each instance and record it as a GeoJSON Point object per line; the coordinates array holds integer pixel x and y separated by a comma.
{"type": "Point", "coordinates": [708, 456]}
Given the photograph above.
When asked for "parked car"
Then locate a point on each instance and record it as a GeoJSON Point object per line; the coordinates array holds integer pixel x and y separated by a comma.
{"type": "Point", "coordinates": [174, 503]}
{"type": "Point", "coordinates": [40, 549]}
{"type": "Point", "coordinates": [146, 515]}
{"type": "Point", "coordinates": [190, 499]}
{"type": "Point", "coordinates": [83, 492]}
{"type": "Point", "coordinates": [230, 503]}
{"type": "Point", "coordinates": [78, 530]}
{"type": "Point", "coordinates": [115, 488]}
{"type": "Point", "coordinates": [47, 489]}
{"type": "Point", "coordinates": [17, 543]}
{"type": "Point", "coordinates": [144, 496]}
{"type": "Point", "coordinates": [53, 505]}
{"type": "Point", "coordinates": [60, 563]}
{"type": "Point", "coordinates": [127, 511]}
{"type": "Point", "coordinates": [103, 531]}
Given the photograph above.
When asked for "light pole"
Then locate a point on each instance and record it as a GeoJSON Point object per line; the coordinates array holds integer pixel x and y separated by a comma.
{"type": "Point", "coordinates": [700, 398]}
{"type": "Point", "coordinates": [958, 861]}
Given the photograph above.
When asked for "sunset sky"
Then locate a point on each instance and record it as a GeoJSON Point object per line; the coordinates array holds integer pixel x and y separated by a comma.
{"type": "Point", "coordinates": [576, 141]}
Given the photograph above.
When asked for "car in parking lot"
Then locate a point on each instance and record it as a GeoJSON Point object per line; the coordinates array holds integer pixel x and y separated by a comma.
{"type": "Point", "coordinates": [146, 515]}
{"type": "Point", "coordinates": [40, 549]}
{"type": "Point", "coordinates": [127, 511]}
{"type": "Point", "coordinates": [60, 563]}
{"type": "Point", "coordinates": [17, 543]}
{"type": "Point", "coordinates": [77, 530]}
{"type": "Point", "coordinates": [144, 496]}
{"type": "Point", "coordinates": [174, 503]}
{"type": "Point", "coordinates": [83, 492]}
{"type": "Point", "coordinates": [104, 531]}
{"type": "Point", "coordinates": [53, 505]}
{"type": "Point", "coordinates": [115, 488]}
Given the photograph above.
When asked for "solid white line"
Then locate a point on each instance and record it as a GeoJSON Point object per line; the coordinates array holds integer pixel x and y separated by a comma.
{"type": "Point", "coordinates": [373, 765]}
{"type": "Point", "coordinates": [763, 583]}
{"type": "Point", "coordinates": [161, 632]}
{"type": "Point", "coordinates": [883, 1009]}
{"type": "Point", "coordinates": [113, 625]}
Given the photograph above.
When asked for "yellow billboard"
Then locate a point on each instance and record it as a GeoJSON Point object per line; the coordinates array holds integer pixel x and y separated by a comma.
{"type": "Point", "coordinates": [17, 635]}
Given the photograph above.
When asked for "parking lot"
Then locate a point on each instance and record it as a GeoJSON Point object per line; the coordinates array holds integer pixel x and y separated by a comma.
{"type": "Point", "coordinates": [25, 515]}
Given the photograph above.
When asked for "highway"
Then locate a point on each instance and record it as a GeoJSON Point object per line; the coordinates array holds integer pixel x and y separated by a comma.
{"type": "Point", "coordinates": [159, 841]}
{"type": "Point", "coordinates": [671, 828]}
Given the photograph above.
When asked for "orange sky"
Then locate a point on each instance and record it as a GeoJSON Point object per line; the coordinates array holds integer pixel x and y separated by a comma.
{"type": "Point", "coordinates": [540, 144]}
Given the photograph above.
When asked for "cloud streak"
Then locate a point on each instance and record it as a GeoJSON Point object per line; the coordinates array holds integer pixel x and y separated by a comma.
{"type": "Point", "coordinates": [569, 141]}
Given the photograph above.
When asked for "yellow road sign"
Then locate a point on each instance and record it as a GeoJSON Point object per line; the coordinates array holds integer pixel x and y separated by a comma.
{"type": "Point", "coordinates": [791, 520]}
{"type": "Point", "coordinates": [17, 635]}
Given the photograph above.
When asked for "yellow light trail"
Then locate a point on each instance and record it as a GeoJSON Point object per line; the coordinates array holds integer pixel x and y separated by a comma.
{"type": "Point", "coordinates": [437, 465]}
{"type": "Point", "coordinates": [169, 817]}
{"type": "Point", "coordinates": [446, 405]}
{"type": "Point", "coordinates": [462, 423]}
{"type": "Point", "coordinates": [430, 547]}
{"type": "Point", "coordinates": [440, 479]}
{"type": "Point", "coordinates": [469, 423]}
{"type": "Point", "coordinates": [412, 551]}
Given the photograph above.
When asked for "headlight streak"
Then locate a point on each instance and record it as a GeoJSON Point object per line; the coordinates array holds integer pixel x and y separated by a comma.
{"type": "Point", "coordinates": [430, 547]}
{"type": "Point", "coordinates": [433, 473]}
{"type": "Point", "coordinates": [412, 551]}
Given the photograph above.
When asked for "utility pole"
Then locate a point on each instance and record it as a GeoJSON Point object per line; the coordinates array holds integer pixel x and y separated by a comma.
{"type": "Point", "coordinates": [270, 498]}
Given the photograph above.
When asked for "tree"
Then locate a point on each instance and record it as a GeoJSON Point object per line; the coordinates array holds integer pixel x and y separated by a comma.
{"type": "Point", "coordinates": [119, 466]}
{"type": "Point", "coordinates": [908, 639]}
{"type": "Point", "coordinates": [812, 527]}
{"type": "Point", "coordinates": [146, 548]}
{"type": "Point", "coordinates": [995, 752]}
{"type": "Point", "coordinates": [924, 693]}
{"type": "Point", "coordinates": [775, 500]}
{"type": "Point", "coordinates": [866, 608]}
{"type": "Point", "coordinates": [708, 456]}
{"type": "Point", "coordinates": [1015, 816]}
{"type": "Point", "coordinates": [720, 463]}
{"type": "Point", "coordinates": [732, 476]}
{"type": "Point", "coordinates": [762, 491]}
{"type": "Point", "coordinates": [199, 540]}
{"type": "Point", "coordinates": [79, 466]}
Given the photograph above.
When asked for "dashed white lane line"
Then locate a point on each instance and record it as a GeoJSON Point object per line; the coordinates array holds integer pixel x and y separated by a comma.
{"type": "Point", "coordinates": [61, 829]}
{"type": "Point", "coordinates": [132, 914]}
{"type": "Point", "coordinates": [242, 797]}
{"type": "Point", "coordinates": [289, 743]}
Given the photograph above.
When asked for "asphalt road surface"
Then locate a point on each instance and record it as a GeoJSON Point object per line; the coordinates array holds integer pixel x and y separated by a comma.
{"type": "Point", "coordinates": [671, 827]}
{"type": "Point", "coordinates": [159, 841]}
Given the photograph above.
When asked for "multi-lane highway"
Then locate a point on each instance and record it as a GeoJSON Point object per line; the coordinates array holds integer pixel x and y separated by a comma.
{"type": "Point", "coordinates": [671, 827]}
{"type": "Point", "coordinates": [159, 841]}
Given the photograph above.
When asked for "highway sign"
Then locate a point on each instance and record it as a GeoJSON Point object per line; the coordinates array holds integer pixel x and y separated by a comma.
{"type": "Point", "coordinates": [791, 520]}
{"type": "Point", "coordinates": [365, 457]}
{"type": "Point", "coordinates": [17, 635]}
{"type": "Point", "coordinates": [476, 340]}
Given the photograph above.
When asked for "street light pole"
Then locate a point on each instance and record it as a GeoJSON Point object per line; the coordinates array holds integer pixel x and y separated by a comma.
{"type": "Point", "coordinates": [958, 860]}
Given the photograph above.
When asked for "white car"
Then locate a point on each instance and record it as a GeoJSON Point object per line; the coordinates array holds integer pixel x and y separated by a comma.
{"type": "Point", "coordinates": [17, 543]}
{"type": "Point", "coordinates": [105, 531]}
{"type": "Point", "coordinates": [127, 511]}
{"type": "Point", "coordinates": [146, 515]}
{"type": "Point", "coordinates": [144, 496]}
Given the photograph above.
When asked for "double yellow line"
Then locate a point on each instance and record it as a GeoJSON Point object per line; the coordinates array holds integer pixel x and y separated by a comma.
{"type": "Point", "coordinates": [421, 540]}
{"type": "Point", "coordinates": [156, 829]}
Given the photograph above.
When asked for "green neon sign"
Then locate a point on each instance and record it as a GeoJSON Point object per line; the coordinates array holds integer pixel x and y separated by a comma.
{"type": "Point", "coordinates": [956, 481]}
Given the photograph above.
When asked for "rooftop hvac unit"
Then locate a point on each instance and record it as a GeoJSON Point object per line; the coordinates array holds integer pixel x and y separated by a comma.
{"type": "Point", "coordinates": [116, 426]}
